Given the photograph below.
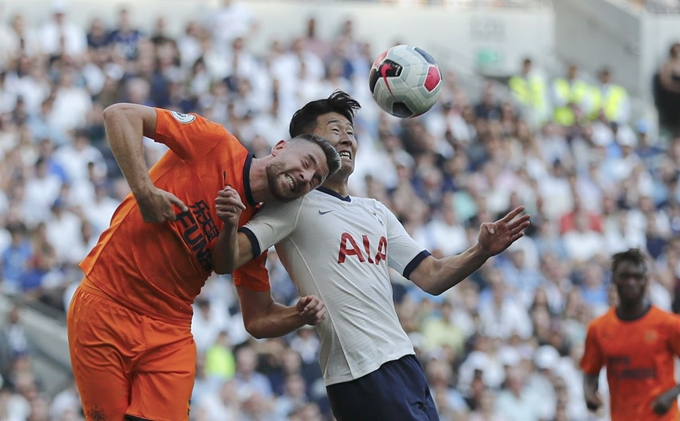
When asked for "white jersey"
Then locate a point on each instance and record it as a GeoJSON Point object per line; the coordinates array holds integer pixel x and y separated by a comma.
{"type": "Point", "coordinates": [339, 249]}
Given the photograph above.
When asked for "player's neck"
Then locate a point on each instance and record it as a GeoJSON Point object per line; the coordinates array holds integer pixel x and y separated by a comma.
{"type": "Point", "coordinates": [259, 186]}
{"type": "Point", "coordinates": [632, 311]}
{"type": "Point", "coordinates": [338, 186]}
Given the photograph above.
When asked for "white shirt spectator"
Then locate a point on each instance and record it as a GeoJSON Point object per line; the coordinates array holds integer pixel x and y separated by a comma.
{"type": "Point", "coordinates": [210, 318]}
{"type": "Point", "coordinates": [40, 194]}
{"type": "Point", "coordinates": [71, 106]}
{"type": "Point", "coordinates": [74, 159]}
{"type": "Point", "coordinates": [100, 211]}
{"type": "Point", "coordinates": [74, 38]}
{"type": "Point", "coordinates": [445, 234]}
{"type": "Point", "coordinates": [64, 234]}
{"type": "Point", "coordinates": [230, 21]}
{"type": "Point", "coordinates": [583, 244]}
{"type": "Point", "coordinates": [505, 321]}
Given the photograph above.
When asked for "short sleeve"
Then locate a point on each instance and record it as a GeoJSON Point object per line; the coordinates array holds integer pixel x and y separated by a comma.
{"type": "Point", "coordinates": [592, 360]}
{"type": "Point", "coordinates": [272, 223]}
{"type": "Point", "coordinates": [403, 250]}
{"type": "Point", "coordinates": [253, 275]}
{"type": "Point", "coordinates": [190, 136]}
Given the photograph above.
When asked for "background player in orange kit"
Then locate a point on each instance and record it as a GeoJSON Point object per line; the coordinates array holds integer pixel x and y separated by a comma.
{"type": "Point", "coordinates": [129, 323]}
{"type": "Point", "coordinates": [637, 343]}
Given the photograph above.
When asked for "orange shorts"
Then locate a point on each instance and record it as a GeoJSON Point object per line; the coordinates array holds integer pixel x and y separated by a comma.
{"type": "Point", "coordinates": [126, 363]}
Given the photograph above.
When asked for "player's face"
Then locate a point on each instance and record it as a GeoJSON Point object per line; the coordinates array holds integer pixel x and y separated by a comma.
{"type": "Point", "coordinates": [296, 169]}
{"type": "Point", "coordinates": [340, 132]}
{"type": "Point", "coordinates": [630, 281]}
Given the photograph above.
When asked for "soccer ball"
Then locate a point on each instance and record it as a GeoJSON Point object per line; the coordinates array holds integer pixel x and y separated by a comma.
{"type": "Point", "coordinates": [405, 81]}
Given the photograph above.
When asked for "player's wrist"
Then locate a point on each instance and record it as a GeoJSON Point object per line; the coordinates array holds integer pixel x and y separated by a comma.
{"type": "Point", "coordinates": [479, 251]}
{"type": "Point", "coordinates": [142, 190]}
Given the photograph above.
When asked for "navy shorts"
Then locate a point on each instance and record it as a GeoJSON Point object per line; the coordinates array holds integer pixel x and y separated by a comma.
{"type": "Point", "coordinates": [397, 391]}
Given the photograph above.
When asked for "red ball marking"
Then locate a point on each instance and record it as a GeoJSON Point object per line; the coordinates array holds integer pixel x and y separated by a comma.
{"type": "Point", "coordinates": [433, 78]}
{"type": "Point", "coordinates": [380, 59]}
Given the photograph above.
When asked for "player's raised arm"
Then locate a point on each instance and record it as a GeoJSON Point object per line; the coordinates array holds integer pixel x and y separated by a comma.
{"type": "Point", "coordinates": [126, 124]}
{"type": "Point", "coordinates": [225, 254]}
{"type": "Point", "coordinates": [438, 275]}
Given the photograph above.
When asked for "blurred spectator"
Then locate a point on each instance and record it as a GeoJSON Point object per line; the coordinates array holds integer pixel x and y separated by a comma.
{"type": "Point", "coordinates": [530, 90]}
{"type": "Point", "coordinates": [593, 184]}
{"type": "Point", "coordinates": [572, 97]}
{"type": "Point", "coordinates": [667, 92]}
{"type": "Point", "coordinates": [611, 99]}
{"type": "Point", "coordinates": [61, 37]}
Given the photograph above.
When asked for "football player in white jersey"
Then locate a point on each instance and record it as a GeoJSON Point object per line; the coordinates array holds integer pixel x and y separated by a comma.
{"type": "Point", "coordinates": [339, 248]}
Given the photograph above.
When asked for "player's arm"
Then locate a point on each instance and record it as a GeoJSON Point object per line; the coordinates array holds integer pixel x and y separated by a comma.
{"type": "Point", "coordinates": [125, 125]}
{"type": "Point", "coordinates": [228, 206]}
{"type": "Point", "coordinates": [591, 383]}
{"type": "Point", "coordinates": [274, 222]}
{"type": "Point", "coordinates": [264, 318]}
{"type": "Point", "coordinates": [591, 364]}
{"type": "Point", "coordinates": [664, 401]}
{"type": "Point", "coordinates": [435, 276]}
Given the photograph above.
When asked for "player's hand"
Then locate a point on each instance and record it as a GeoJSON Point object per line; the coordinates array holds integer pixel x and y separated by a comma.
{"type": "Point", "coordinates": [157, 205]}
{"type": "Point", "coordinates": [311, 309]}
{"type": "Point", "coordinates": [593, 401]}
{"type": "Point", "coordinates": [229, 206]}
{"type": "Point", "coordinates": [663, 403]}
{"type": "Point", "coordinates": [495, 237]}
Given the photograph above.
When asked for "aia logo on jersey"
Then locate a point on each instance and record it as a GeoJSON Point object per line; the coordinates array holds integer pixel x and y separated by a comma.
{"type": "Point", "coordinates": [350, 247]}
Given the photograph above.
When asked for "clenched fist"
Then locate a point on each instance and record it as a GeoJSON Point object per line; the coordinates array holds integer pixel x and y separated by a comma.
{"type": "Point", "coordinates": [311, 309]}
{"type": "Point", "coordinates": [229, 206]}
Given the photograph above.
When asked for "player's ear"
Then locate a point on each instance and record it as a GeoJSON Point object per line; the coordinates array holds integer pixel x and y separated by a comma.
{"type": "Point", "coordinates": [278, 147]}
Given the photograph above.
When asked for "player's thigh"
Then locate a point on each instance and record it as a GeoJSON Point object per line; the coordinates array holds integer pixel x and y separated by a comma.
{"type": "Point", "coordinates": [164, 379]}
{"type": "Point", "coordinates": [100, 355]}
{"type": "Point", "coordinates": [397, 390]}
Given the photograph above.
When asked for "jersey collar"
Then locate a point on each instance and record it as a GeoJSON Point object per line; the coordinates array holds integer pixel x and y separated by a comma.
{"type": "Point", "coordinates": [334, 194]}
{"type": "Point", "coordinates": [638, 317]}
{"type": "Point", "coordinates": [246, 180]}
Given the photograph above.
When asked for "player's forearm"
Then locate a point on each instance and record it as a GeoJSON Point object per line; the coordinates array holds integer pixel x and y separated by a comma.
{"type": "Point", "coordinates": [124, 130]}
{"type": "Point", "coordinates": [675, 390]}
{"type": "Point", "coordinates": [590, 384]}
{"type": "Point", "coordinates": [436, 276]}
{"type": "Point", "coordinates": [226, 251]}
{"type": "Point", "coordinates": [238, 256]}
{"type": "Point", "coordinates": [277, 321]}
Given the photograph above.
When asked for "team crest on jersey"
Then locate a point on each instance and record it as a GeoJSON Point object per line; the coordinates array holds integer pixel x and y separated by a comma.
{"type": "Point", "coordinates": [183, 118]}
{"type": "Point", "coordinates": [650, 336]}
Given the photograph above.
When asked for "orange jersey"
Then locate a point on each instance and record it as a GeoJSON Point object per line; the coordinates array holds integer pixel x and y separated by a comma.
{"type": "Point", "coordinates": [639, 357]}
{"type": "Point", "coordinates": [159, 269]}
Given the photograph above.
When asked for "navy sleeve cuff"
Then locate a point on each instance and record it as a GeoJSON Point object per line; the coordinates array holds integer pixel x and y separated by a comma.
{"type": "Point", "coordinates": [253, 241]}
{"type": "Point", "coordinates": [414, 263]}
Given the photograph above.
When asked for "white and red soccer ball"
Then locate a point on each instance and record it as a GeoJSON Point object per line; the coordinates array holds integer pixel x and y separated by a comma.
{"type": "Point", "coordinates": [405, 81]}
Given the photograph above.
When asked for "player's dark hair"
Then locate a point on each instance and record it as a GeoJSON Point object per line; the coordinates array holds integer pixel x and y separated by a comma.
{"type": "Point", "coordinates": [304, 119]}
{"type": "Point", "coordinates": [633, 256]}
{"type": "Point", "coordinates": [332, 156]}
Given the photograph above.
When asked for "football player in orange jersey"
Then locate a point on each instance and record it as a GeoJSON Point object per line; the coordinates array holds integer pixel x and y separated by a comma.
{"type": "Point", "coordinates": [637, 343]}
{"type": "Point", "coordinates": [129, 323]}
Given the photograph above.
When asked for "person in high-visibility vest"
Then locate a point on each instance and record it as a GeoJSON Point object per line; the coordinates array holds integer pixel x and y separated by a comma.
{"type": "Point", "coordinates": [530, 90]}
{"type": "Point", "coordinates": [611, 99]}
{"type": "Point", "coordinates": [571, 94]}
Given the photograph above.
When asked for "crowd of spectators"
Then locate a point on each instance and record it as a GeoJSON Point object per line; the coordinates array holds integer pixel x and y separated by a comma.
{"type": "Point", "coordinates": [502, 346]}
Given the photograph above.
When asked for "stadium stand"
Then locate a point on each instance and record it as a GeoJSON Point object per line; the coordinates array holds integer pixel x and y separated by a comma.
{"type": "Point", "coordinates": [595, 179]}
